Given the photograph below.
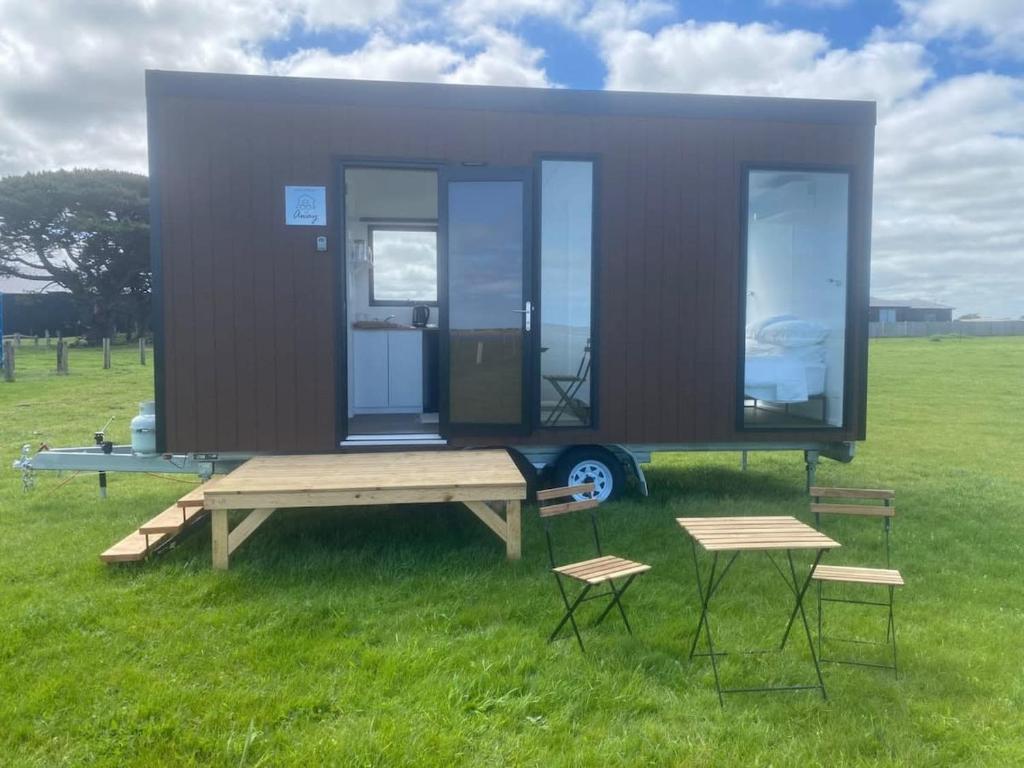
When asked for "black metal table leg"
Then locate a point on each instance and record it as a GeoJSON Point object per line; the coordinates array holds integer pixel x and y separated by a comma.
{"type": "Point", "coordinates": [803, 615]}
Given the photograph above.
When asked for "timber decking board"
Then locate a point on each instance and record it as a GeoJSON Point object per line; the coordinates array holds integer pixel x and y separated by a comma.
{"type": "Point", "coordinates": [172, 519]}
{"type": "Point", "coordinates": [194, 498]}
{"type": "Point", "coordinates": [132, 548]}
{"type": "Point", "coordinates": [368, 478]}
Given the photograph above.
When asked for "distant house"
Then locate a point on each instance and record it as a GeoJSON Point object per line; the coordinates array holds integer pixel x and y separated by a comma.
{"type": "Point", "coordinates": [900, 310]}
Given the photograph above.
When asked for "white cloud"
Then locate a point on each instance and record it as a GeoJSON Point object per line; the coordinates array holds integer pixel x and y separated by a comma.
{"type": "Point", "coordinates": [380, 59]}
{"type": "Point", "coordinates": [758, 59]}
{"type": "Point", "coordinates": [500, 58]}
{"type": "Point", "coordinates": [949, 156]}
{"type": "Point", "coordinates": [72, 73]}
{"type": "Point", "coordinates": [471, 14]}
{"type": "Point", "coordinates": [607, 16]}
{"type": "Point", "coordinates": [999, 22]}
{"type": "Point", "coordinates": [948, 197]}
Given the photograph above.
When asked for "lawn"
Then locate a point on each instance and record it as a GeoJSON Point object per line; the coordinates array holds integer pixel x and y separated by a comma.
{"type": "Point", "coordinates": [404, 638]}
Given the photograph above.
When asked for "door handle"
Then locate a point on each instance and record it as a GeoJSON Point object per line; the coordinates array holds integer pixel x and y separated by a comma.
{"type": "Point", "coordinates": [527, 313]}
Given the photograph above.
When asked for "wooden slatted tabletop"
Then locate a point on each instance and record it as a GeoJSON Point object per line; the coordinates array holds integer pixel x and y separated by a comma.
{"type": "Point", "coordinates": [731, 534]}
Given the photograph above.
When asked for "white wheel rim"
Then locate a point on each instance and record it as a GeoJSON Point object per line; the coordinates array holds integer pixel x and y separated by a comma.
{"type": "Point", "coordinates": [592, 471]}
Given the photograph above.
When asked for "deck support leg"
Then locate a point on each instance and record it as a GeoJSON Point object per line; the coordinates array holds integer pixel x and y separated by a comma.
{"type": "Point", "coordinates": [514, 536]}
{"type": "Point", "coordinates": [509, 529]}
{"type": "Point", "coordinates": [219, 527]}
{"type": "Point", "coordinates": [811, 460]}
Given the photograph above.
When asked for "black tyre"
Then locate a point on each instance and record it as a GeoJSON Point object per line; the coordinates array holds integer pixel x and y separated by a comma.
{"type": "Point", "coordinates": [591, 464]}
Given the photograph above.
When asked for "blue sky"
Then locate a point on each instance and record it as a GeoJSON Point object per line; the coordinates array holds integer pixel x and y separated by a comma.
{"type": "Point", "coordinates": [947, 75]}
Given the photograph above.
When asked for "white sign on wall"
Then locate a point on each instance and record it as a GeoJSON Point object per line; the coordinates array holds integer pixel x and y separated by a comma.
{"type": "Point", "coordinates": [305, 206]}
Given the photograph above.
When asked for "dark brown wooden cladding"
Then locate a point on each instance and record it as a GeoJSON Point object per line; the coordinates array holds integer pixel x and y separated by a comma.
{"type": "Point", "coordinates": [249, 339]}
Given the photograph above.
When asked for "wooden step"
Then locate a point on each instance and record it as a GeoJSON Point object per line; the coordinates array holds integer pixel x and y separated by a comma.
{"type": "Point", "coordinates": [133, 547]}
{"type": "Point", "coordinates": [173, 519]}
{"type": "Point", "coordinates": [194, 498]}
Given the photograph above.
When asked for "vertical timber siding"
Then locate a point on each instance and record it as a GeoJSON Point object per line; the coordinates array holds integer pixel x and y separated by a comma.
{"type": "Point", "coordinates": [249, 338]}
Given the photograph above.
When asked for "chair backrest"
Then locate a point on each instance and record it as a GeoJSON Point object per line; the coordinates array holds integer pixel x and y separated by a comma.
{"type": "Point", "coordinates": [584, 369]}
{"type": "Point", "coordinates": [551, 504]}
{"type": "Point", "coordinates": [859, 502]}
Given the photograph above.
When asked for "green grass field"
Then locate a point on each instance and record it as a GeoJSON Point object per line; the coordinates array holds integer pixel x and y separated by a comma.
{"type": "Point", "coordinates": [404, 638]}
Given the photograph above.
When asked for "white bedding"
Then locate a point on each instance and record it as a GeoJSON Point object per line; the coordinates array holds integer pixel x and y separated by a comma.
{"type": "Point", "coordinates": [784, 375]}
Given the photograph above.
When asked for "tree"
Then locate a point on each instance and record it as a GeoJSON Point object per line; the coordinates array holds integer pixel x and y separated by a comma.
{"type": "Point", "coordinates": [86, 231]}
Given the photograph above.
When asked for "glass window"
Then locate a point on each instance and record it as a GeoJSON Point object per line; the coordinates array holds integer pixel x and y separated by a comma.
{"type": "Point", "coordinates": [404, 265]}
{"type": "Point", "coordinates": [795, 335]}
{"type": "Point", "coordinates": [566, 263]}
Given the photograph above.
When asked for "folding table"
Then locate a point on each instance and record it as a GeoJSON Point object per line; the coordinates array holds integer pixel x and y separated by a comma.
{"type": "Point", "coordinates": [732, 536]}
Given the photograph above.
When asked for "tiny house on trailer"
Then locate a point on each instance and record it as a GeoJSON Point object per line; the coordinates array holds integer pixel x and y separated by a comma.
{"type": "Point", "coordinates": [583, 277]}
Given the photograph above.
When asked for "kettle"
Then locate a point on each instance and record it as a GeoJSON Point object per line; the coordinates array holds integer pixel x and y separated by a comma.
{"type": "Point", "coordinates": [420, 315]}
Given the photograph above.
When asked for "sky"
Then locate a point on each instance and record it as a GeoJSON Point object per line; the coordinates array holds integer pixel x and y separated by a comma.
{"type": "Point", "coordinates": [947, 75]}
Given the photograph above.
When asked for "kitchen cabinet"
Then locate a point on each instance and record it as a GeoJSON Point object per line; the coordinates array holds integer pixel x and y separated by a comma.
{"type": "Point", "coordinates": [388, 371]}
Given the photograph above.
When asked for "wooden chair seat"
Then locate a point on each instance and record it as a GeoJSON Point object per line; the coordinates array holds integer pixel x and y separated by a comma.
{"type": "Point", "coordinates": [601, 569]}
{"type": "Point", "coordinates": [856, 575]}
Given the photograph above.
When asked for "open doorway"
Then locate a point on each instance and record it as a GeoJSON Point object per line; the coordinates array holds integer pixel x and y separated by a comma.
{"type": "Point", "coordinates": [391, 263]}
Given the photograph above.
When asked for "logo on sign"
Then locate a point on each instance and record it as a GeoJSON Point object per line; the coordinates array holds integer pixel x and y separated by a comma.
{"type": "Point", "coordinates": [305, 206]}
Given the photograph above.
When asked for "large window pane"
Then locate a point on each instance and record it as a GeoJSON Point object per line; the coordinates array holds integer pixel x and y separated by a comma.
{"type": "Point", "coordinates": [795, 335]}
{"type": "Point", "coordinates": [567, 210]}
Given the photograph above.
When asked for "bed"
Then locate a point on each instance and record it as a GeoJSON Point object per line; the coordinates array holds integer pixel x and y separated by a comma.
{"type": "Point", "coordinates": [782, 375]}
{"type": "Point", "coordinates": [785, 361]}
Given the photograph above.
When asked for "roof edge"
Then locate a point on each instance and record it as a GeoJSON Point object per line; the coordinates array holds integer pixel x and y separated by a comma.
{"type": "Point", "coordinates": [206, 85]}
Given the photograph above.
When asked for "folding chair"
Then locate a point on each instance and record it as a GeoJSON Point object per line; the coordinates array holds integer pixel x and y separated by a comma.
{"type": "Point", "coordinates": [601, 570]}
{"type": "Point", "coordinates": [862, 503]}
{"type": "Point", "coordinates": [568, 386]}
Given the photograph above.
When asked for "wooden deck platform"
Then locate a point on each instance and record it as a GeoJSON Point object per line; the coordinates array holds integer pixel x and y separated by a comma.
{"type": "Point", "coordinates": [486, 481]}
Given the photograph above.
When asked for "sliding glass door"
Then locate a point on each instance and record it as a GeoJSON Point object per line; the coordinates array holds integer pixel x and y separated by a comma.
{"type": "Point", "coordinates": [485, 236]}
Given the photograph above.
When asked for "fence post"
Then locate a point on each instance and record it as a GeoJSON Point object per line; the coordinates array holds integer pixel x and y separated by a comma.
{"type": "Point", "coordinates": [106, 354]}
{"type": "Point", "coordinates": [142, 350]}
{"type": "Point", "coordinates": [62, 357]}
{"type": "Point", "coordinates": [35, 340]}
{"type": "Point", "coordinates": [47, 337]}
{"type": "Point", "coordinates": [17, 339]}
{"type": "Point", "coordinates": [8, 361]}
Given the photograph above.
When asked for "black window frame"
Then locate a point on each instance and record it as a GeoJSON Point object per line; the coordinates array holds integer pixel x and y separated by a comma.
{"type": "Point", "coordinates": [370, 230]}
{"type": "Point", "coordinates": [850, 314]}
{"type": "Point", "coordinates": [595, 161]}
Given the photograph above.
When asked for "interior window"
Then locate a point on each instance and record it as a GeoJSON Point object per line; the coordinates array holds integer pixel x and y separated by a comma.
{"type": "Point", "coordinates": [404, 266]}
{"type": "Point", "coordinates": [795, 334]}
{"type": "Point", "coordinates": [566, 263]}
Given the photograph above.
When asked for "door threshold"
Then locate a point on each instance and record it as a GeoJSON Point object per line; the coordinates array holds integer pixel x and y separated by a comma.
{"type": "Point", "coordinates": [383, 440]}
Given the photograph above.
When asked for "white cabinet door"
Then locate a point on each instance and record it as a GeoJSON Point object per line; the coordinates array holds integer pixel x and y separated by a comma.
{"type": "Point", "coordinates": [405, 369]}
{"type": "Point", "coordinates": [370, 359]}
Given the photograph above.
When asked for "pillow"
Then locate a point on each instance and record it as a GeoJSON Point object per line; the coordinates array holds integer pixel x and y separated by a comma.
{"type": "Point", "coordinates": [793, 333]}
{"type": "Point", "coordinates": [754, 329]}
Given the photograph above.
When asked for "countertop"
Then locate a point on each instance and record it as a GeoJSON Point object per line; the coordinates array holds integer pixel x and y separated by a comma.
{"type": "Point", "coordinates": [379, 325]}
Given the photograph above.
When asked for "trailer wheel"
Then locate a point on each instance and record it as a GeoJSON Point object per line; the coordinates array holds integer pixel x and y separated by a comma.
{"type": "Point", "coordinates": [591, 464]}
